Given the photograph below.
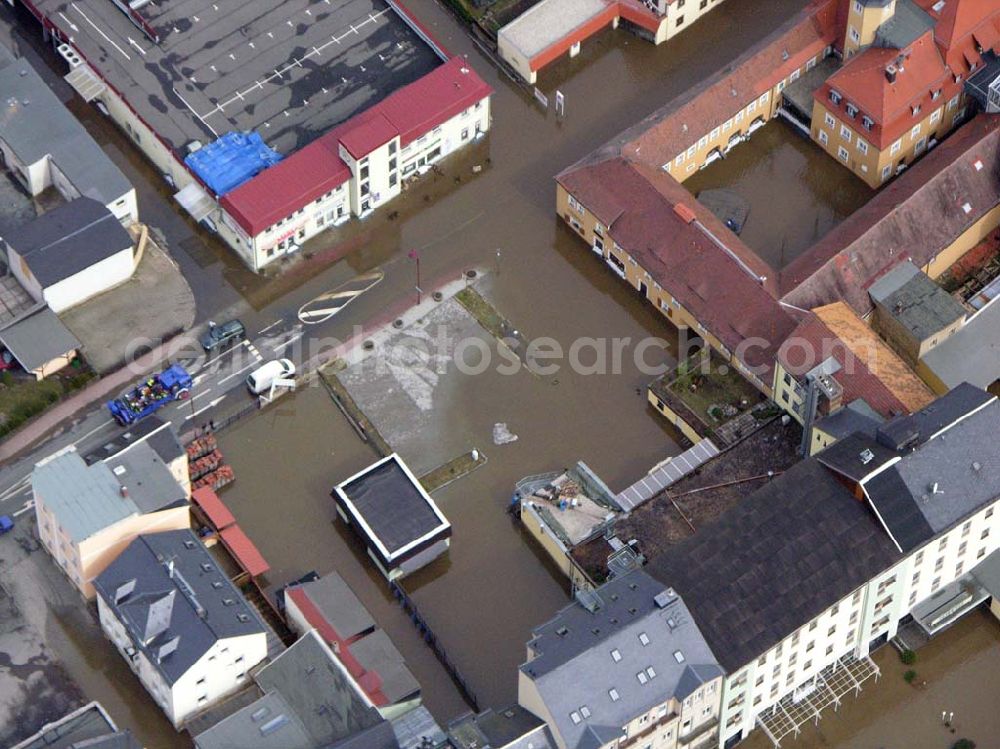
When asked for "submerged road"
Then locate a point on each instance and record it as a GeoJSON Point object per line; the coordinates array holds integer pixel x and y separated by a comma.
{"type": "Point", "coordinates": [544, 280]}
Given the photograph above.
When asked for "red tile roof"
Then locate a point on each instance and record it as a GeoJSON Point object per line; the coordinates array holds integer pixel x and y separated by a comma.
{"type": "Point", "coordinates": [960, 26]}
{"type": "Point", "coordinates": [364, 137]}
{"type": "Point", "coordinates": [808, 346]}
{"type": "Point", "coordinates": [916, 216]}
{"type": "Point", "coordinates": [681, 122]}
{"type": "Point", "coordinates": [863, 83]}
{"type": "Point", "coordinates": [246, 553]}
{"type": "Point", "coordinates": [316, 169]}
{"type": "Point", "coordinates": [216, 512]}
{"type": "Point", "coordinates": [639, 206]}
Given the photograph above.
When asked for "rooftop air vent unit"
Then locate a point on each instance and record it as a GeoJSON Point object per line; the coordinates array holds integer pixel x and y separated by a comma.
{"type": "Point", "coordinates": [867, 456]}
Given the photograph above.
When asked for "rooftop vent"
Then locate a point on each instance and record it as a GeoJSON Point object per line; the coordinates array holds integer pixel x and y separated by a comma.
{"type": "Point", "coordinates": [663, 598]}
{"type": "Point", "coordinates": [890, 73]}
{"type": "Point", "coordinates": [867, 456]}
{"type": "Point", "coordinates": [976, 465]}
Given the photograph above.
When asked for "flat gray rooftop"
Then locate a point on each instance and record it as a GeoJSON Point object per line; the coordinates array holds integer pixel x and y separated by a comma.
{"type": "Point", "coordinates": [546, 23]}
{"type": "Point", "coordinates": [970, 355]}
{"type": "Point", "coordinates": [290, 70]}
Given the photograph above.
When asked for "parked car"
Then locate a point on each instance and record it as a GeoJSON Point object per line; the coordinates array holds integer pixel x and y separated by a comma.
{"type": "Point", "coordinates": [6, 524]}
{"type": "Point", "coordinates": [221, 336]}
{"type": "Point", "coordinates": [261, 379]}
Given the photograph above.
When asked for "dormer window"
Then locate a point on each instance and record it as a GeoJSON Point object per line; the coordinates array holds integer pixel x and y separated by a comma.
{"type": "Point", "coordinates": [835, 97]}
{"type": "Point", "coordinates": [936, 95]}
{"type": "Point", "coordinates": [867, 122]}
{"type": "Point", "coordinates": [852, 110]}
{"type": "Point", "coordinates": [915, 109]}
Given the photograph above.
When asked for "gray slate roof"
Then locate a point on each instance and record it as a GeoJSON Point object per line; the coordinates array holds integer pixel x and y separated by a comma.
{"type": "Point", "coordinates": [574, 668]}
{"type": "Point", "coordinates": [44, 127]}
{"type": "Point", "coordinates": [775, 561]}
{"type": "Point", "coordinates": [309, 701]}
{"type": "Point", "coordinates": [856, 416]}
{"type": "Point", "coordinates": [915, 301]}
{"type": "Point", "coordinates": [917, 428]}
{"type": "Point", "coordinates": [146, 478]}
{"type": "Point", "coordinates": [942, 482]}
{"type": "Point", "coordinates": [38, 338]}
{"type": "Point", "coordinates": [971, 354]}
{"type": "Point", "coordinates": [213, 610]}
{"type": "Point", "coordinates": [69, 239]}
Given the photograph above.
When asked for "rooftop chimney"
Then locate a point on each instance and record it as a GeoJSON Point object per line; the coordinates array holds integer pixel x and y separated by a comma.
{"type": "Point", "coordinates": [890, 73]}
{"type": "Point", "coordinates": [123, 491]}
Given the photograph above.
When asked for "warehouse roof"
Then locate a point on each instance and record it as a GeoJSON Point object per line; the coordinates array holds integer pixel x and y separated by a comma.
{"type": "Point", "coordinates": [34, 124]}
{"type": "Point", "coordinates": [337, 604]}
{"type": "Point", "coordinates": [775, 561]}
{"type": "Point", "coordinates": [174, 600]}
{"type": "Point", "coordinates": [287, 70]}
{"type": "Point", "coordinates": [394, 511]}
{"type": "Point", "coordinates": [38, 338]}
{"type": "Point", "coordinates": [88, 727]}
{"type": "Point", "coordinates": [160, 435]}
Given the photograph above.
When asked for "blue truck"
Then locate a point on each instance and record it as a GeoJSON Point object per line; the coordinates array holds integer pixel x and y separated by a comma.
{"type": "Point", "coordinates": [152, 394]}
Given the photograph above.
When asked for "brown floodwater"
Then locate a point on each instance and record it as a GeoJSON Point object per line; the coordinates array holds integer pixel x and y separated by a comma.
{"type": "Point", "coordinates": [958, 672]}
{"type": "Point", "coordinates": [795, 192]}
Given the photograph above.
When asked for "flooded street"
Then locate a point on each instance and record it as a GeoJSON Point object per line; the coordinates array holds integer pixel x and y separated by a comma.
{"type": "Point", "coordinates": [779, 166]}
{"type": "Point", "coordinates": [961, 668]}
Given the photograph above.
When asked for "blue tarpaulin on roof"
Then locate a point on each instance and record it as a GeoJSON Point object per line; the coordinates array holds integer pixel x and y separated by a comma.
{"type": "Point", "coordinates": [228, 162]}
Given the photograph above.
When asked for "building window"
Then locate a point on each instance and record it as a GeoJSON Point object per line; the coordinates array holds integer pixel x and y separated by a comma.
{"type": "Point", "coordinates": [915, 132]}
{"type": "Point", "coordinates": [823, 137]}
{"type": "Point", "coordinates": [577, 206]}
{"type": "Point", "coordinates": [835, 97]}
{"type": "Point", "coordinates": [364, 172]}
{"type": "Point", "coordinates": [935, 117]}
{"type": "Point", "coordinates": [842, 153]}
{"type": "Point", "coordinates": [845, 133]}
{"type": "Point", "coordinates": [867, 122]}
{"type": "Point", "coordinates": [862, 146]}
{"type": "Point", "coordinates": [828, 119]}
{"type": "Point", "coordinates": [680, 20]}
{"type": "Point", "coordinates": [894, 149]}
{"type": "Point", "coordinates": [392, 143]}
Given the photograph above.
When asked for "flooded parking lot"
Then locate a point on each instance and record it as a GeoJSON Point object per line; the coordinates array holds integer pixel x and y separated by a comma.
{"type": "Point", "coordinates": [795, 192]}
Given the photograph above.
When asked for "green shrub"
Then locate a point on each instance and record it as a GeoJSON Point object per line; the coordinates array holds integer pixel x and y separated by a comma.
{"type": "Point", "coordinates": [908, 657]}
{"type": "Point", "coordinates": [964, 744]}
{"type": "Point", "coordinates": [7, 378]}
{"type": "Point", "coordinates": [909, 676]}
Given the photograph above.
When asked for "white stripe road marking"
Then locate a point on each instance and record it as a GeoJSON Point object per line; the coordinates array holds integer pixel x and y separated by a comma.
{"type": "Point", "coordinates": [253, 350]}
{"type": "Point", "coordinates": [286, 344]}
{"type": "Point", "coordinates": [28, 506]}
{"type": "Point", "coordinates": [276, 322]}
{"type": "Point", "coordinates": [19, 488]}
{"type": "Point", "coordinates": [211, 404]}
{"type": "Point", "coordinates": [201, 394]}
{"type": "Point", "coordinates": [95, 429]}
{"type": "Point", "coordinates": [239, 371]}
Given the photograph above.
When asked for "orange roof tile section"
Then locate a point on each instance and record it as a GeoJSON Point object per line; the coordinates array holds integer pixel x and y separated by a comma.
{"type": "Point", "coordinates": [889, 98]}
{"type": "Point", "coordinates": [216, 512]}
{"type": "Point", "coordinates": [246, 553]}
{"type": "Point", "coordinates": [882, 361]}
